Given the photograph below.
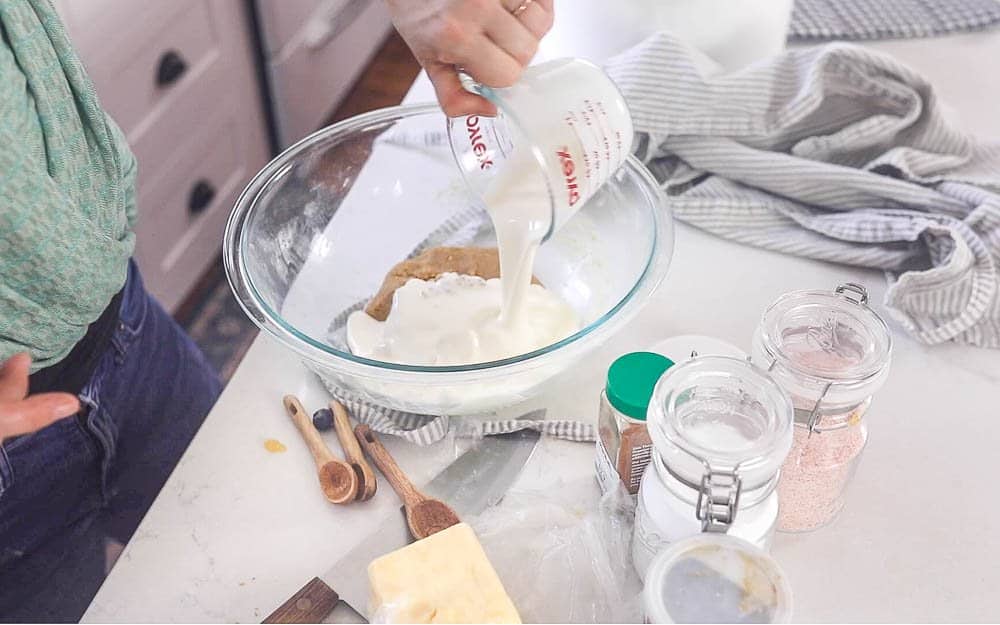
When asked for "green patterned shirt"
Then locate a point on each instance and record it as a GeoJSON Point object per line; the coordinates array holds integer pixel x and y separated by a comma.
{"type": "Point", "coordinates": [67, 190]}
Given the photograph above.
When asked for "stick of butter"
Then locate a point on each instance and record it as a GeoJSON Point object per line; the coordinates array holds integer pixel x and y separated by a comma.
{"type": "Point", "coordinates": [444, 578]}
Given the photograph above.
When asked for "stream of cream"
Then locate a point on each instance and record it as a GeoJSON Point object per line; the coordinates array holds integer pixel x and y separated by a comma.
{"type": "Point", "coordinates": [458, 319]}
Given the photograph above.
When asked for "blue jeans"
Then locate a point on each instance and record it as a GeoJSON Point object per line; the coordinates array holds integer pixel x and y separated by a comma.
{"type": "Point", "coordinates": [67, 488]}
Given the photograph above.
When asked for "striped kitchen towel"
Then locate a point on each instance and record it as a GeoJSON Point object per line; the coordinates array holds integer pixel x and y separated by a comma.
{"type": "Point", "coordinates": [824, 20]}
{"type": "Point", "coordinates": [428, 429]}
{"type": "Point", "coordinates": [837, 153]}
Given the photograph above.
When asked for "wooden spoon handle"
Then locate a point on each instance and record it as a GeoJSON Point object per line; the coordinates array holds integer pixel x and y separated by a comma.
{"type": "Point", "coordinates": [342, 423]}
{"type": "Point", "coordinates": [387, 465]}
{"type": "Point", "coordinates": [320, 452]}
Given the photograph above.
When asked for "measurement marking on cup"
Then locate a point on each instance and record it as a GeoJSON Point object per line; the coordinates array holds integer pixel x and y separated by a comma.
{"type": "Point", "coordinates": [569, 173]}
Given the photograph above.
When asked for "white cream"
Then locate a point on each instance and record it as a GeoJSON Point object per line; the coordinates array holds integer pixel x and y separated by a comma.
{"type": "Point", "coordinates": [455, 320]}
{"type": "Point", "coordinates": [517, 201]}
{"type": "Point", "coordinates": [459, 319]}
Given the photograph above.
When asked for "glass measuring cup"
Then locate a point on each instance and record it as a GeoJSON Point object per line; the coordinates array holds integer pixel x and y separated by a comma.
{"type": "Point", "coordinates": [560, 133]}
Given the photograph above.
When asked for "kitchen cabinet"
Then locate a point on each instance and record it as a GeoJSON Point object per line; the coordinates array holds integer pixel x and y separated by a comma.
{"type": "Point", "coordinates": [314, 50]}
{"type": "Point", "coordinates": [198, 87]}
{"type": "Point", "coordinates": [180, 79]}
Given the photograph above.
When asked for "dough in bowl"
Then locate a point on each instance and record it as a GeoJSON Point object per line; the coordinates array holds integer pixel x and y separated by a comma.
{"type": "Point", "coordinates": [429, 265]}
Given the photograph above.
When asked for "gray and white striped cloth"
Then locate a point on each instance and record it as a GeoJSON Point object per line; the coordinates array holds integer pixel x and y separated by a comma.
{"type": "Point", "coordinates": [429, 429]}
{"type": "Point", "coordinates": [824, 20]}
{"type": "Point", "coordinates": [837, 153]}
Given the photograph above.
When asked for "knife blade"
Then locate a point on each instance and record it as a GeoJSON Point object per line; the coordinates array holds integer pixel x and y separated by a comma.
{"type": "Point", "coordinates": [476, 480]}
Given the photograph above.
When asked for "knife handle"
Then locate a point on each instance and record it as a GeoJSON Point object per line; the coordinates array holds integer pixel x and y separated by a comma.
{"type": "Point", "coordinates": [311, 604]}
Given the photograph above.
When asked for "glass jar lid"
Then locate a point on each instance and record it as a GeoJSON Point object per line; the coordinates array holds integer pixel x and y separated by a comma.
{"type": "Point", "coordinates": [713, 578]}
{"type": "Point", "coordinates": [717, 415]}
{"type": "Point", "coordinates": [825, 345]}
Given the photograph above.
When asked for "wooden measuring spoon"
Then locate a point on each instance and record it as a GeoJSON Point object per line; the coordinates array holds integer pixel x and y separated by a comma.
{"type": "Point", "coordinates": [336, 477]}
{"type": "Point", "coordinates": [366, 476]}
{"type": "Point", "coordinates": [424, 515]}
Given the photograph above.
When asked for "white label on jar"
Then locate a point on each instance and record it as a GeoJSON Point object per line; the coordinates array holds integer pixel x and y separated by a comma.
{"type": "Point", "coordinates": [606, 474]}
{"type": "Point", "coordinates": [607, 469]}
{"type": "Point", "coordinates": [646, 541]}
{"type": "Point", "coordinates": [641, 455]}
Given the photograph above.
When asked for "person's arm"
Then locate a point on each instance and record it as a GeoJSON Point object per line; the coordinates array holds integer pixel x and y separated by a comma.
{"type": "Point", "coordinates": [21, 413]}
{"type": "Point", "coordinates": [483, 37]}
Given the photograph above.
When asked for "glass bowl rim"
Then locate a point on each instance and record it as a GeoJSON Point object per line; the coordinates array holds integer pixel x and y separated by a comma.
{"type": "Point", "coordinates": [270, 321]}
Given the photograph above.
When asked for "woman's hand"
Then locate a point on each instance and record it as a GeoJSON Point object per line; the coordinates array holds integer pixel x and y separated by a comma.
{"type": "Point", "coordinates": [483, 37]}
{"type": "Point", "coordinates": [20, 414]}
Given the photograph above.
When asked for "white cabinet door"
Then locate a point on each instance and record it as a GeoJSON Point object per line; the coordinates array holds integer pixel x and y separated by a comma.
{"type": "Point", "coordinates": [179, 77]}
{"type": "Point", "coordinates": [317, 66]}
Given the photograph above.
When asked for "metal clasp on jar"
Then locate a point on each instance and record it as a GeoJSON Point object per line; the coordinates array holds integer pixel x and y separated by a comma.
{"type": "Point", "coordinates": [811, 418]}
{"type": "Point", "coordinates": [856, 289]}
{"type": "Point", "coordinates": [718, 495]}
{"type": "Point", "coordinates": [718, 500]}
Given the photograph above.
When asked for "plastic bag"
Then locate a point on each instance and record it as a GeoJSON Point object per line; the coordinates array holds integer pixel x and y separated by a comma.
{"type": "Point", "coordinates": [563, 557]}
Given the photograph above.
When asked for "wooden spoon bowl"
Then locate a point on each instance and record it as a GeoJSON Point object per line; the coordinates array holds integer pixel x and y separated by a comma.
{"type": "Point", "coordinates": [337, 478]}
{"type": "Point", "coordinates": [339, 481]}
{"type": "Point", "coordinates": [429, 516]}
{"type": "Point", "coordinates": [424, 515]}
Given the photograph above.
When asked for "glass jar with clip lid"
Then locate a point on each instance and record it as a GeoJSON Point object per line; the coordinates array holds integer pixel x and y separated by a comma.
{"type": "Point", "coordinates": [831, 353]}
{"type": "Point", "coordinates": [721, 429]}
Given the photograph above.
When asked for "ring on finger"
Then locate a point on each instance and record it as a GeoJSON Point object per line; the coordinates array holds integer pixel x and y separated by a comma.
{"type": "Point", "coordinates": [521, 8]}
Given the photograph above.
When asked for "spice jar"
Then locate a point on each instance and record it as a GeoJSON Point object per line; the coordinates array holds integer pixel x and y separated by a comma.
{"type": "Point", "coordinates": [623, 444]}
{"type": "Point", "coordinates": [831, 353]}
{"type": "Point", "coordinates": [720, 429]}
{"type": "Point", "coordinates": [712, 578]}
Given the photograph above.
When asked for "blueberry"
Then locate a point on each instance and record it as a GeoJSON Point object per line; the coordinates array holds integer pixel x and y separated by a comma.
{"type": "Point", "coordinates": [323, 419]}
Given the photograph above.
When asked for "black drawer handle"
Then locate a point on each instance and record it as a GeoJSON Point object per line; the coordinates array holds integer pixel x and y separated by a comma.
{"type": "Point", "coordinates": [201, 196]}
{"type": "Point", "coordinates": [172, 66]}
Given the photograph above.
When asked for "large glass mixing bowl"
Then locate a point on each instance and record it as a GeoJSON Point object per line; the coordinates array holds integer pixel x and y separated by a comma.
{"type": "Point", "coordinates": [314, 233]}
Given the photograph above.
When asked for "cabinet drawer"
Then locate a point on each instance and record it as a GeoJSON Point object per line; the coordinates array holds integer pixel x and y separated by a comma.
{"type": "Point", "coordinates": [103, 30]}
{"type": "Point", "coordinates": [184, 210]}
{"type": "Point", "coordinates": [312, 77]}
{"type": "Point", "coordinates": [134, 86]}
{"type": "Point", "coordinates": [205, 125]}
{"type": "Point", "coordinates": [212, 130]}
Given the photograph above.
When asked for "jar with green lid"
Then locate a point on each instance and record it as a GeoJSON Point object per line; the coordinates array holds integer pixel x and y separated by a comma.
{"type": "Point", "coordinates": [623, 443]}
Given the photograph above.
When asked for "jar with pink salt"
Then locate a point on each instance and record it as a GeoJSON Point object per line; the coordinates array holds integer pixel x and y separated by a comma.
{"type": "Point", "coordinates": [830, 352]}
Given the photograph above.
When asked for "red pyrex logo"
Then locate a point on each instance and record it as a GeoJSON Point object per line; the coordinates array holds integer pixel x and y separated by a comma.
{"type": "Point", "coordinates": [569, 173]}
{"type": "Point", "coordinates": [476, 141]}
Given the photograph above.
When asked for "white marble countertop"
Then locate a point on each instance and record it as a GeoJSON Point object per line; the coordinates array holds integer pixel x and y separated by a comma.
{"type": "Point", "coordinates": [237, 529]}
